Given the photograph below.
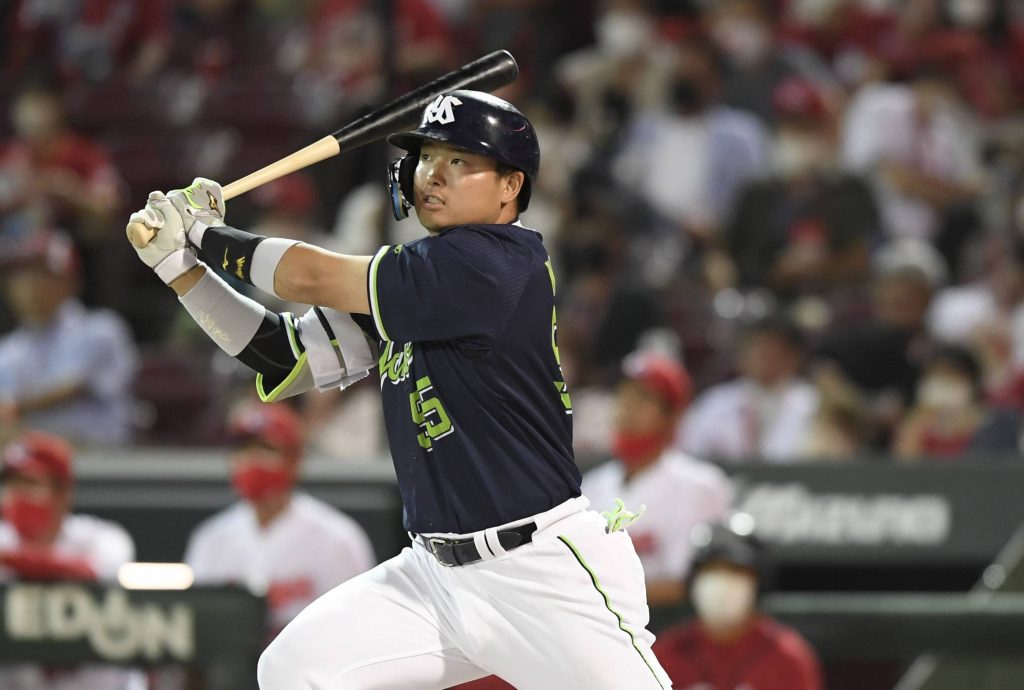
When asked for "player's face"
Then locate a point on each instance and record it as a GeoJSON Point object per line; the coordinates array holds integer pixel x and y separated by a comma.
{"type": "Point", "coordinates": [638, 411]}
{"type": "Point", "coordinates": [34, 505]}
{"type": "Point", "coordinates": [35, 294]}
{"type": "Point", "coordinates": [455, 187]}
{"type": "Point", "coordinates": [768, 359]}
{"type": "Point", "coordinates": [30, 487]}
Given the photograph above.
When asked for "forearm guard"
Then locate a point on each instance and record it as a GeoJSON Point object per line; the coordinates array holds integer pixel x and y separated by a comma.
{"type": "Point", "coordinates": [248, 257]}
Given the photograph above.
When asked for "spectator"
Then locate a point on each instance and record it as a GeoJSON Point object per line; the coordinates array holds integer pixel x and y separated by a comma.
{"type": "Point", "coordinates": [731, 644]}
{"type": "Point", "coordinates": [949, 417]}
{"type": "Point", "coordinates": [679, 492]}
{"type": "Point", "coordinates": [688, 162]}
{"type": "Point", "coordinates": [286, 543]}
{"type": "Point", "coordinates": [346, 44]}
{"type": "Point", "coordinates": [65, 369]}
{"type": "Point", "coordinates": [40, 540]}
{"type": "Point", "coordinates": [806, 228]}
{"type": "Point", "coordinates": [755, 64]}
{"type": "Point", "coordinates": [880, 355]}
{"type": "Point", "coordinates": [54, 171]}
{"type": "Point", "coordinates": [924, 161]}
{"type": "Point", "coordinates": [766, 413]}
{"type": "Point", "coordinates": [90, 39]}
{"type": "Point", "coordinates": [842, 427]}
{"type": "Point", "coordinates": [620, 74]}
{"type": "Point", "coordinates": [984, 314]}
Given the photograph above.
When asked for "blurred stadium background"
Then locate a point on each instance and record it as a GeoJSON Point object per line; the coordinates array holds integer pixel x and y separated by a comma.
{"type": "Point", "coordinates": [843, 178]}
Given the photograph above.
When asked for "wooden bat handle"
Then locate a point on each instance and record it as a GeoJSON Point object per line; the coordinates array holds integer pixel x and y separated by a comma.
{"type": "Point", "coordinates": [140, 234]}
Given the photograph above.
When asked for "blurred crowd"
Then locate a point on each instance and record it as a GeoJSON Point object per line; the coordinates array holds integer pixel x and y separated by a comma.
{"type": "Point", "coordinates": [816, 206]}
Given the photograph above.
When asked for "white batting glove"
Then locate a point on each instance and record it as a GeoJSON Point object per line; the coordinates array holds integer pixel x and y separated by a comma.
{"type": "Point", "coordinates": [200, 205]}
{"type": "Point", "coordinates": [167, 253]}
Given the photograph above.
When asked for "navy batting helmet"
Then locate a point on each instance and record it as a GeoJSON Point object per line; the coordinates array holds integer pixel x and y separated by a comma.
{"type": "Point", "coordinates": [474, 121]}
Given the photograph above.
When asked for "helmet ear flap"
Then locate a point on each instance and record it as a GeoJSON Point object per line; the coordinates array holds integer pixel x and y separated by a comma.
{"type": "Point", "coordinates": [400, 184]}
{"type": "Point", "coordinates": [406, 171]}
{"type": "Point", "coordinates": [400, 174]}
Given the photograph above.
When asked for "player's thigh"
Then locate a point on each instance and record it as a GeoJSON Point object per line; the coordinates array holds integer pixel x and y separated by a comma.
{"type": "Point", "coordinates": [377, 630]}
{"type": "Point", "coordinates": [586, 614]}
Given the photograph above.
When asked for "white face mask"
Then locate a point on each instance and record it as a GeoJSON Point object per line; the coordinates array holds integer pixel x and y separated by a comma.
{"type": "Point", "coordinates": [794, 155]}
{"type": "Point", "coordinates": [745, 41]}
{"type": "Point", "coordinates": [813, 11]}
{"type": "Point", "coordinates": [877, 5]}
{"type": "Point", "coordinates": [621, 34]}
{"type": "Point", "coordinates": [970, 13]}
{"type": "Point", "coordinates": [724, 599]}
{"type": "Point", "coordinates": [942, 392]}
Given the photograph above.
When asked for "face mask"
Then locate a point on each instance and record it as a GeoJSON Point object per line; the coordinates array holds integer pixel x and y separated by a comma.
{"type": "Point", "coordinates": [723, 599]}
{"type": "Point", "coordinates": [944, 393]}
{"type": "Point", "coordinates": [971, 14]}
{"type": "Point", "coordinates": [34, 122]}
{"type": "Point", "coordinates": [686, 95]}
{"type": "Point", "coordinates": [813, 11]}
{"type": "Point", "coordinates": [622, 33]}
{"type": "Point", "coordinates": [743, 40]}
{"type": "Point", "coordinates": [254, 482]}
{"type": "Point", "coordinates": [633, 449]}
{"type": "Point", "coordinates": [796, 155]}
{"type": "Point", "coordinates": [877, 5]}
{"type": "Point", "coordinates": [30, 519]}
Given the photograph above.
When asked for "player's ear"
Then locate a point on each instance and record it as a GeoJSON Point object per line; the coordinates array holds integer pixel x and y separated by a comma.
{"type": "Point", "coordinates": [512, 182]}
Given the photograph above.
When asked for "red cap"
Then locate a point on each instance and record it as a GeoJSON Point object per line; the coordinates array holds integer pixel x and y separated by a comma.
{"type": "Point", "coordinates": [293, 194]}
{"type": "Point", "coordinates": [272, 423]}
{"type": "Point", "coordinates": [661, 375]}
{"type": "Point", "coordinates": [38, 455]}
{"type": "Point", "coordinates": [52, 249]}
{"type": "Point", "coordinates": [799, 98]}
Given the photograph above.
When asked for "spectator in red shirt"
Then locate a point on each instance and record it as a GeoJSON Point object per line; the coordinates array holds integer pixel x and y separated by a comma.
{"type": "Point", "coordinates": [93, 40]}
{"type": "Point", "coordinates": [731, 645]}
{"type": "Point", "coordinates": [949, 417]}
{"type": "Point", "coordinates": [48, 168]}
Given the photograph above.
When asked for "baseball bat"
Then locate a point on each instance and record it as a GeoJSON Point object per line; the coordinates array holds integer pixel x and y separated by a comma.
{"type": "Point", "coordinates": [484, 74]}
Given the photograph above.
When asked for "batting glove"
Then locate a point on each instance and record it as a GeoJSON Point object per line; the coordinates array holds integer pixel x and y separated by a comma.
{"type": "Point", "coordinates": [167, 253]}
{"type": "Point", "coordinates": [199, 205]}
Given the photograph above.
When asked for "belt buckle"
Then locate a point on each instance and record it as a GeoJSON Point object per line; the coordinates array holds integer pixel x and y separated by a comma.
{"type": "Point", "coordinates": [433, 543]}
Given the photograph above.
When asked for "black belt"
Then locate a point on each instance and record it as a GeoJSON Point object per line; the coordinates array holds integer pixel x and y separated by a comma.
{"type": "Point", "coordinates": [451, 552]}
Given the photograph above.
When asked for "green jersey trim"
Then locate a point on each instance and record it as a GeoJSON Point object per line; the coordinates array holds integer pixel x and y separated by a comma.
{"type": "Point", "coordinates": [374, 301]}
{"type": "Point", "coordinates": [300, 364]}
{"type": "Point", "coordinates": [607, 603]}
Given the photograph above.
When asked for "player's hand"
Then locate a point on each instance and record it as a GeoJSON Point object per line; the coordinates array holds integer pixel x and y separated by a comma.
{"type": "Point", "coordinates": [167, 253]}
{"type": "Point", "coordinates": [199, 206]}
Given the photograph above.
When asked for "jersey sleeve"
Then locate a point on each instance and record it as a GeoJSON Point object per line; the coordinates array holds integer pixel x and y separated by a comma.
{"type": "Point", "coordinates": [462, 284]}
{"type": "Point", "coordinates": [111, 549]}
{"type": "Point", "coordinates": [199, 554]}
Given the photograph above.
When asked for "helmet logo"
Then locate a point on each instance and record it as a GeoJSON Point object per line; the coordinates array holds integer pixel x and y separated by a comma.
{"type": "Point", "coordinates": [441, 110]}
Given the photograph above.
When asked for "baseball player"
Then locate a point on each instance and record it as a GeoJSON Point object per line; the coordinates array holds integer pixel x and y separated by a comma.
{"type": "Point", "coordinates": [508, 571]}
{"type": "Point", "coordinates": [288, 544]}
{"type": "Point", "coordinates": [678, 491]}
{"type": "Point", "coordinates": [731, 644]}
{"type": "Point", "coordinates": [41, 541]}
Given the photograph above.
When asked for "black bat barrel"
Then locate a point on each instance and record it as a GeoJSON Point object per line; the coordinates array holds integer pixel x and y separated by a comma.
{"type": "Point", "coordinates": [485, 74]}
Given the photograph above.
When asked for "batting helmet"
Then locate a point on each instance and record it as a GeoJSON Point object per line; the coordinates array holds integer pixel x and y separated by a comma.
{"type": "Point", "coordinates": [470, 120]}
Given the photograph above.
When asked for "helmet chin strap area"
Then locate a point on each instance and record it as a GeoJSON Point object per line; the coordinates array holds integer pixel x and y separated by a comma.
{"type": "Point", "coordinates": [400, 174]}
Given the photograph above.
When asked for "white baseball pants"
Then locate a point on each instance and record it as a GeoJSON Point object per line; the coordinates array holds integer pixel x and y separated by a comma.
{"type": "Point", "coordinates": [566, 611]}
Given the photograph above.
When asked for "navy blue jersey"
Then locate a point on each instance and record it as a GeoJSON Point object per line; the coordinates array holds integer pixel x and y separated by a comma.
{"type": "Point", "coordinates": [476, 409]}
